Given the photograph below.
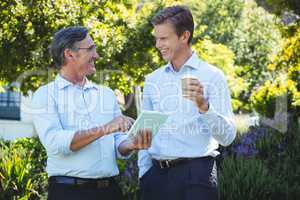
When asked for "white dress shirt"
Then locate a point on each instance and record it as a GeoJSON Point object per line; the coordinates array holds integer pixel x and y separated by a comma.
{"type": "Point", "coordinates": [187, 133]}
{"type": "Point", "coordinates": [60, 110]}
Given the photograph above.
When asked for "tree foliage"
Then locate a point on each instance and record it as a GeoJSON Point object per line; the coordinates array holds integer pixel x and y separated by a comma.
{"type": "Point", "coordinates": [255, 40]}
{"type": "Point", "coordinates": [240, 34]}
{"type": "Point", "coordinates": [216, 19]}
{"type": "Point", "coordinates": [285, 72]}
{"type": "Point", "coordinates": [248, 30]}
{"type": "Point", "coordinates": [278, 5]}
{"type": "Point", "coordinates": [29, 25]}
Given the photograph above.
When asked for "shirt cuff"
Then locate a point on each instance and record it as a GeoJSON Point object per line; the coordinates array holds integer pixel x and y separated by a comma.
{"type": "Point", "coordinates": [119, 138]}
{"type": "Point", "coordinates": [221, 128]}
{"type": "Point", "coordinates": [211, 117]}
{"type": "Point", "coordinates": [66, 138]}
{"type": "Point", "coordinates": [143, 170]}
{"type": "Point", "coordinates": [210, 112]}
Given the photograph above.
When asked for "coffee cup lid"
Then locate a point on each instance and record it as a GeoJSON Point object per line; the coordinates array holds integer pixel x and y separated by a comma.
{"type": "Point", "coordinates": [189, 76]}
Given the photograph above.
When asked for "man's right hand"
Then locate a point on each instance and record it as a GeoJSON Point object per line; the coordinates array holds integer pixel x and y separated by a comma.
{"type": "Point", "coordinates": [85, 137]}
{"type": "Point", "coordinates": [121, 123]}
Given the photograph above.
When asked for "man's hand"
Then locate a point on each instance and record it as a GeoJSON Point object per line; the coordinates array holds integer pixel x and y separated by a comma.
{"type": "Point", "coordinates": [193, 90]}
{"type": "Point", "coordinates": [121, 123]}
{"type": "Point", "coordinates": [142, 140]}
{"type": "Point", "coordinates": [85, 137]}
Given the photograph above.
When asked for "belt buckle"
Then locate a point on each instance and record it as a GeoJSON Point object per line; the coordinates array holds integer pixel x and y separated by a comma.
{"type": "Point", "coordinates": [102, 183]}
{"type": "Point", "coordinates": [164, 164]}
{"type": "Point", "coordinates": [79, 182]}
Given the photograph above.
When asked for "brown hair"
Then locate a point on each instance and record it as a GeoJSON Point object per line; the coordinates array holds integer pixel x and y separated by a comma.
{"type": "Point", "coordinates": [179, 16]}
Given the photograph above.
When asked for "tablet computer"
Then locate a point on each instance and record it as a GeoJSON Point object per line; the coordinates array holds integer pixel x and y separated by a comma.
{"type": "Point", "coordinates": [151, 120]}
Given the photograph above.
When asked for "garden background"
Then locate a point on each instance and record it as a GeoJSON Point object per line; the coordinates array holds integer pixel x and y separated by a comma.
{"type": "Point", "coordinates": [255, 43]}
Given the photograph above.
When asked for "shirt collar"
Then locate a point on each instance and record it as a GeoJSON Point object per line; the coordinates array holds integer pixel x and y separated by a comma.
{"type": "Point", "coordinates": [62, 83]}
{"type": "Point", "coordinates": [89, 84]}
{"type": "Point", "coordinates": [192, 62]}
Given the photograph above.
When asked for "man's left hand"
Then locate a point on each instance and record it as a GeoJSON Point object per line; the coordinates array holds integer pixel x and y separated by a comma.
{"type": "Point", "coordinates": [142, 140]}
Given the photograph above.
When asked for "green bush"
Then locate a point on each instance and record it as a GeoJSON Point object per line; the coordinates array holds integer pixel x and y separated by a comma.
{"type": "Point", "coordinates": [243, 178]}
{"type": "Point", "coordinates": [280, 151]}
{"type": "Point", "coordinates": [128, 179]}
{"type": "Point", "coordinates": [22, 173]}
{"type": "Point", "coordinates": [262, 164]}
{"type": "Point", "coordinates": [273, 92]}
{"type": "Point", "coordinates": [268, 169]}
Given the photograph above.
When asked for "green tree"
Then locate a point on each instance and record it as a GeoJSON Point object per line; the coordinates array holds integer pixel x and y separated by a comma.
{"type": "Point", "coordinates": [123, 34]}
{"type": "Point", "coordinates": [285, 72]}
{"type": "Point", "coordinates": [255, 40]}
{"type": "Point", "coordinates": [216, 19]}
{"type": "Point", "coordinates": [248, 30]}
{"type": "Point", "coordinates": [277, 5]}
{"type": "Point", "coordinates": [28, 26]}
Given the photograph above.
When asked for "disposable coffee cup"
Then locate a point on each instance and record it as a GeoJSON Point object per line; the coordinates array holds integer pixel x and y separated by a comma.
{"type": "Point", "coordinates": [185, 81]}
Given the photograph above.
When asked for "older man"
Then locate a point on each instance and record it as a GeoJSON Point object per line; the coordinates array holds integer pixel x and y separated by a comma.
{"type": "Point", "coordinates": [79, 124]}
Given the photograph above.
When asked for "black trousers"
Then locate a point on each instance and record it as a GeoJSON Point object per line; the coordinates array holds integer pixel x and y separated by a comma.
{"type": "Point", "coordinates": [194, 180]}
{"type": "Point", "coordinates": [60, 191]}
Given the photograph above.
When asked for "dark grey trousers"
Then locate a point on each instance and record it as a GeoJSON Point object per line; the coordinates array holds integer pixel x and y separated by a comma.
{"type": "Point", "coordinates": [58, 191]}
{"type": "Point", "coordinates": [194, 180]}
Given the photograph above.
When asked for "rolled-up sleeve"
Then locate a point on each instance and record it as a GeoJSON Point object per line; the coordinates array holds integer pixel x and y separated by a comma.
{"type": "Point", "coordinates": [119, 138]}
{"type": "Point", "coordinates": [219, 117]}
{"type": "Point", "coordinates": [46, 120]}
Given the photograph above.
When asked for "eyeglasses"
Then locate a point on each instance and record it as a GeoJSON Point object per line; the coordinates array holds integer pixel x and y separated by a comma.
{"type": "Point", "coordinates": [90, 49]}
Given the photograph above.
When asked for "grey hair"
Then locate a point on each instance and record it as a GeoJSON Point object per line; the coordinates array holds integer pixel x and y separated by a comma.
{"type": "Point", "coordinates": [66, 39]}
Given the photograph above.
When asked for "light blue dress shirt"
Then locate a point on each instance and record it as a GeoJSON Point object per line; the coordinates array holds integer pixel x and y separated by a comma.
{"type": "Point", "coordinates": [60, 110]}
{"type": "Point", "coordinates": [187, 133]}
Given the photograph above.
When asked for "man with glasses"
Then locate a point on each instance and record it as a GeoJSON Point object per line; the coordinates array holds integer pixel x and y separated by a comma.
{"type": "Point", "coordinates": [79, 124]}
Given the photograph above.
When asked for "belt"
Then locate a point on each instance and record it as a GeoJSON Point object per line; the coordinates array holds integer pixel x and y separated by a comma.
{"type": "Point", "coordinates": [82, 182]}
{"type": "Point", "coordinates": [163, 164]}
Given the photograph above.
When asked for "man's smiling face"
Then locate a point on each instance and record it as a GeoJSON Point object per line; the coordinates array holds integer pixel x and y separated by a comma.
{"type": "Point", "coordinates": [167, 41]}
